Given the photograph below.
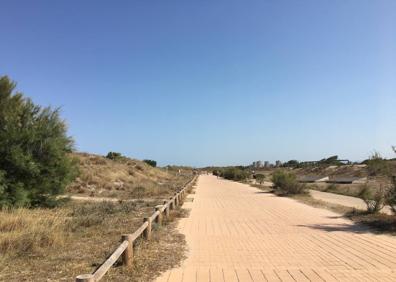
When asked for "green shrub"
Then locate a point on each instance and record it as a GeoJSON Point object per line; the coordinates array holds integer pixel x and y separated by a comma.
{"type": "Point", "coordinates": [286, 183]}
{"type": "Point", "coordinates": [34, 163]}
{"type": "Point", "coordinates": [291, 163]}
{"type": "Point", "coordinates": [375, 199]}
{"type": "Point", "coordinates": [333, 160]}
{"type": "Point", "coordinates": [259, 178]}
{"type": "Point", "coordinates": [235, 174]}
{"type": "Point", "coordinates": [151, 162]}
{"type": "Point", "coordinates": [113, 156]}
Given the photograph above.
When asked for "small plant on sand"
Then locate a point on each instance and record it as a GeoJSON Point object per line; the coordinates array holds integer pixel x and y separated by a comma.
{"type": "Point", "coordinates": [375, 199]}
{"type": "Point", "coordinates": [259, 178]}
{"type": "Point", "coordinates": [286, 183]}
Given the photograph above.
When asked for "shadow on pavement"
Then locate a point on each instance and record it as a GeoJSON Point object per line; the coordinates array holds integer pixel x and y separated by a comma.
{"type": "Point", "coordinates": [353, 228]}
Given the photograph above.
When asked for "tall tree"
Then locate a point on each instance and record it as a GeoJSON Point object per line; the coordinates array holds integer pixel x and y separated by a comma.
{"type": "Point", "coordinates": [34, 147]}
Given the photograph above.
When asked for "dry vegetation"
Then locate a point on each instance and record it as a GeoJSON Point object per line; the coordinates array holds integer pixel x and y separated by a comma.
{"type": "Point", "coordinates": [342, 189]}
{"type": "Point", "coordinates": [124, 178]}
{"type": "Point", "coordinates": [379, 223]}
{"type": "Point", "coordinates": [61, 243]}
{"type": "Point", "coordinates": [76, 237]}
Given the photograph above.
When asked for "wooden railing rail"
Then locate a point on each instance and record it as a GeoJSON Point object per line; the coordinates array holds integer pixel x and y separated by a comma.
{"type": "Point", "coordinates": [125, 249]}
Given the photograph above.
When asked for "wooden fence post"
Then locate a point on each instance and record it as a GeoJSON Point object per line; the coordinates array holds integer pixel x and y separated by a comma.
{"type": "Point", "coordinates": [147, 231]}
{"type": "Point", "coordinates": [127, 255]}
{"type": "Point", "coordinates": [176, 200]}
{"type": "Point", "coordinates": [159, 217]}
{"type": "Point", "coordinates": [171, 203]}
{"type": "Point", "coordinates": [166, 208]}
{"type": "Point", "coordinates": [85, 278]}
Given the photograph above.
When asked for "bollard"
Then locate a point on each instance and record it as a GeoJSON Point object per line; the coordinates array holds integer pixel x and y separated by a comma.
{"type": "Point", "coordinates": [85, 278]}
{"type": "Point", "coordinates": [159, 217]}
{"type": "Point", "coordinates": [147, 231]}
{"type": "Point", "coordinates": [127, 255]}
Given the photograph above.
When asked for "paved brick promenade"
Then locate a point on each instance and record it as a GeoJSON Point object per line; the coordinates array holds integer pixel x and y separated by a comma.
{"type": "Point", "coordinates": [237, 233]}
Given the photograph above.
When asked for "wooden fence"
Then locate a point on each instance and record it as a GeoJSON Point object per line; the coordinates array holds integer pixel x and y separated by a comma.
{"type": "Point", "coordinates": [125, 249]}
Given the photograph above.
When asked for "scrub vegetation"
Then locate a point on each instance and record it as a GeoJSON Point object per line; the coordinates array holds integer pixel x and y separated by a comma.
{"type": "Point", "coordinates": [34, 166]}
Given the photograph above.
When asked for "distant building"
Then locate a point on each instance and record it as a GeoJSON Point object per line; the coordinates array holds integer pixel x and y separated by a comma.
{"type": "Point", "coordinates": [266, 164]}
{"type": "Point", "coordinates": [278, 163]}
{"type": "Point", "coordinates": [257, 164]}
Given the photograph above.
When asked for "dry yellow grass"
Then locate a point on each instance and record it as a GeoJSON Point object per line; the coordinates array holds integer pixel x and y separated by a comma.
{"type": "Point", "coordinates": [124, 179]}
{"type": "Point", "coordinates": [59, 244]}
{"type": "Point", "coordinates": [24, 231]}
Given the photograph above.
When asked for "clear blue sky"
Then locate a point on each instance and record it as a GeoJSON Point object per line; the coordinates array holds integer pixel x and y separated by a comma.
{"type": "Point", "coordinates": [210, 82]}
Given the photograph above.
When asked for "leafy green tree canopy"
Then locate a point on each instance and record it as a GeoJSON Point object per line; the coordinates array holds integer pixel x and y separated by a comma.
{"type": "Point", "coordinates": [114, 156]}
{"type": "Point", "coordinates": [34, 147]}
{"type": "Point", "coordinates": [151, 162]}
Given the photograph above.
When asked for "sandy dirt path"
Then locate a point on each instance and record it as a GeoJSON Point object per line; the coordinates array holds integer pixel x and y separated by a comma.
{"type": "Point", "coordinates": [343, 200]}
{"type": "Point", "coordinates": [239, 233]}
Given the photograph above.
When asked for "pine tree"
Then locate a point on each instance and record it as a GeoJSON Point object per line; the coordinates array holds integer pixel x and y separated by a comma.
{"type": "Point", "coordinates": [34, 147]}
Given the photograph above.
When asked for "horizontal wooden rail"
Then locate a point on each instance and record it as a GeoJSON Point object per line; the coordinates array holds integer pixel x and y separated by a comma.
{"type": "Point", "coordinates": [101, 271]}
{"type": "Point", "coordinates": [139, 232]}
{"type": "Point", "coordinates": [154, 216]}
{"type": "Point", "coordinates": [125, 249]}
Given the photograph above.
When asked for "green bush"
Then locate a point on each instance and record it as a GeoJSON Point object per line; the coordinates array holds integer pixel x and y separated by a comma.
{"type": "Point", "coordinates": [291, 163]}
{"type": "Point", "coordinates": [113, 156]}
{"type": "Point", "coordinates": [375, 199]}
{"type": "Point", "coordinates": [259, 178]}
{"type": "Point", "coordinates": [235, 174]}
{"type": "Point", "coordinates": [333, 160]}
{"type": "Point", "coordinates": [34, 165]}
{"type": "Point", "coordinates": [151, 163]}
{"type": "Point", "coordinates": [286, 183]}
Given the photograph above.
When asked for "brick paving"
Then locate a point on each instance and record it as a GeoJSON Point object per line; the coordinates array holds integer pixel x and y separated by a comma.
{"type": "Point", "coordinates": [238, 233]}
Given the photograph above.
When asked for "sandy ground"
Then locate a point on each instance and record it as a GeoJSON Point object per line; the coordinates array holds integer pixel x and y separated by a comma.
{"type": "Point", "coordinates": [238, 233]}
{"type": "Point", "coordinates": [342, 200]}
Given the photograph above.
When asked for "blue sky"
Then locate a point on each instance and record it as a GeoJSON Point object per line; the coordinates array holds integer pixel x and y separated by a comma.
{"type": "Point", "coordinates": [210, 82]}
